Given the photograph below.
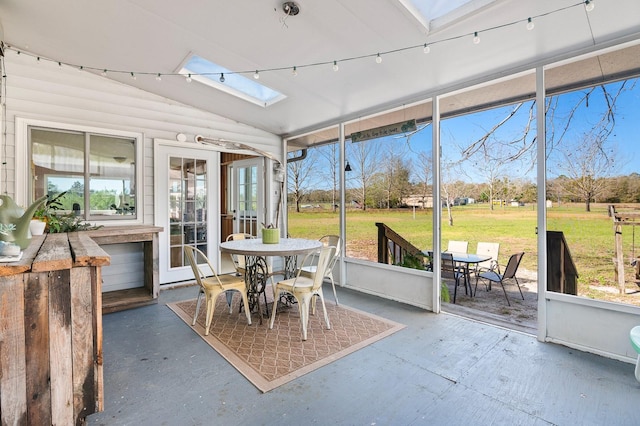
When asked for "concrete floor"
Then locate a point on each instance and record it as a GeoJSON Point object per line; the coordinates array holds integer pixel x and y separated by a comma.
{"type": "Point", "coordinates": [439, 370]}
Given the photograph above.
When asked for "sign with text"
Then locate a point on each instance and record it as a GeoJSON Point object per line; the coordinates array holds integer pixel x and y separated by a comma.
{"type": "Point", "coordinates": [379, 132]}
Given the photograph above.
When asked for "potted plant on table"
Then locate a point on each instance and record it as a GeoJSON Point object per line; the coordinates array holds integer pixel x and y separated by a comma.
{"type": "Point", "coordinates": [271, 232]}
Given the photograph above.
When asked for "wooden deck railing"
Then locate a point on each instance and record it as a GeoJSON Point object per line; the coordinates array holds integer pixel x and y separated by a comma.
{"type": "Point", "coordinates": [562, 274]}
{"type": "Point", "coordinates": [393, 248]}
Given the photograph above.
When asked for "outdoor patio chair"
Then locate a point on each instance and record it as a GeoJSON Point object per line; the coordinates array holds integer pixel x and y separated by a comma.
{"type": "Point", "coordinates": [450, 270]}
{"type": "Point", "coordinates": [457, 246]}
{"type": "Point", "coordinates": [488, 249]}
{"type": "Point", "coordinates": [509, 273]}
{"type": "Point", "coordinates": [239, 261]}
{"type": "Point", "coordinates": [212, 286]}
{"type": "Point", "coordinates": [328, 240]}
{"type": "Point", "coordinates": [305, 286]}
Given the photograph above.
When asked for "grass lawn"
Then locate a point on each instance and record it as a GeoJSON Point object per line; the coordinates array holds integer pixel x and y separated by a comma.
{"type": "Point", "coordinates": [589, 236]}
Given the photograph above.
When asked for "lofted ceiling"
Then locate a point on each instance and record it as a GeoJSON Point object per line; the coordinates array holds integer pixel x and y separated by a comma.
{"type": "Point", "coordinates": [150, 37]}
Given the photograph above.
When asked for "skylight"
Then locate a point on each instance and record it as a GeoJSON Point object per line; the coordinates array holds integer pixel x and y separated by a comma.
{"type": "Point", "coordinates": [437, 13]}
{"type": "Point", "coordinates": [206, 72]}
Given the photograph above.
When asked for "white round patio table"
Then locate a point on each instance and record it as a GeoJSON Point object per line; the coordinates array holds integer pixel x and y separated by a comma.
{"type": "Point", "coordinates": [256, 271]}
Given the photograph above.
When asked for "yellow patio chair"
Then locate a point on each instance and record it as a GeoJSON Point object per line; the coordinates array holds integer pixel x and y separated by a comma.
{"type": "Point", "coordinates": [212, 286]}
{"type": "Point", "coordinates": [239, 261]}
{"type": "Point", "coordinates": [328, 240]}
{"type": "Point", "coordinates": [305, 286]}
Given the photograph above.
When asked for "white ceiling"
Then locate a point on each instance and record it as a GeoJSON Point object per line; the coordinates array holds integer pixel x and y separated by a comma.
{"type": "Point", "coordinates": [156, 36]}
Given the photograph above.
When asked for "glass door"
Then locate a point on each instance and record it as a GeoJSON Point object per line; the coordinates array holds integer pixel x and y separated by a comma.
{"type": "Point", "coordinates": [184, 202]}
{"type": "Point", "coordinates": [248, 196]}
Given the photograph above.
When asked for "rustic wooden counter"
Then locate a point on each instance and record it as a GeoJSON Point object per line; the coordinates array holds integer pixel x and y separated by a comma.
{"type": "Point", "coordinates": [148, 292]}
{"type": "Point", "coordinates": [51, 332]}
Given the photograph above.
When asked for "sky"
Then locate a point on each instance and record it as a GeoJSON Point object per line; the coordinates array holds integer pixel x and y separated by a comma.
{"type": "Point", "coordinates": [460, 131]}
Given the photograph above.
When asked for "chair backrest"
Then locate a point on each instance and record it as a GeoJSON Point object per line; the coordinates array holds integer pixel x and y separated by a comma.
{"type": "Point", "coordinates": [512, 265]}
{"type": "Point", "coordinates": [239, 261]}
{"type": "Point", "coordinates": [192, 255]}
{"type": "Point", "coordinates": [447, 266]}
{"type": "Point", "coordinates": [323, 255]}
{"type": "Point", "coordinates": [488, 249]}
{"type": "Point", "coordinates": [458, 246]}
{"type": "Point", "coordinates": [332, 241]}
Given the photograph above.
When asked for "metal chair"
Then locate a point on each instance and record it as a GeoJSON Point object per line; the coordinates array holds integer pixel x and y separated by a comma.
{"type": "Point", "coordinates": [212, 286]}
{"type": "Point", "coordinates": [457, 246]}
{"type": "Point", "coordinates": [304, 287]}
{"type": "Point", "coordinates": [334, 241]}
{"type": "Point", "coordinates": [450, 270]}
{"type": "Point", "coordinates": [509, 273]}
{"type": "Point", "coordinates": [488, 249]}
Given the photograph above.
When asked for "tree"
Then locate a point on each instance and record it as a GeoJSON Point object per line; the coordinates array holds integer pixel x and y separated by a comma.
{"type": "Point", "coordinates": [330, 153]}
{"type": "Point", "coordinates": [586, 165]}
{"type": "Point", "coordinates": [298, 177]}
{"type": "Point", "coordinates": [365, 155]}
{"type": "Point", "coordinates": [424, 172]}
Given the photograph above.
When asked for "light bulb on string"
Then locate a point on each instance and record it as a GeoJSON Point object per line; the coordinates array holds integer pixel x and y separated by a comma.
{"type": "Point", "coordinates": [476, 38]}
{"type": "Point", "coordinates": [133, 76]}
{"type": "Point", "coordinates": [60, 64]}
{"type": "Point", "coordinates": [256, 75]}
{"type": "Point", "coordinates": [378, 59]}
{"type": "Point", "coordinates": [589, 5]}
{"type": "Point", "coordinates": [294, 71]}
{"type": "Point", "coordinates": [426, 48]}
{"type": "Point", "coordinates": [530, 24]}
{"type": "Point", "coordinates": [159, 77]}
{"type": "Point", "coordinates": [104, 73]}
{"type": "Point", "coordinates": [222, 78]}
{"type": "Point", "coordinates": [335, 66]}
{"type": "Point", "coordinates": [188, 79]}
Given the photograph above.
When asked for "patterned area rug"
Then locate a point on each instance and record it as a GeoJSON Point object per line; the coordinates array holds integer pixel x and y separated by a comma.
{"type": "Point", "coordinates": [270, 358]}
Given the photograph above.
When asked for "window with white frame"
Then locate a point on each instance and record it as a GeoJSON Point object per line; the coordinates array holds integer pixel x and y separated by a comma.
{"type": "Point", "coordinates": [96, 173]}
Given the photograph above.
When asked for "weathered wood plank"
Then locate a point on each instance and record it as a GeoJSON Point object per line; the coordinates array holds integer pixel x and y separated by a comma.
{"type": "Point", "coordinates": [24, 265]}
{"type": "Point", "coordinates": [60, 347]}
{"type": "Point", "coordinates": [54, 254]}
{"type": "Point", "coordinates": [13, 395]}
{"type": "Point", "coordinates": [124, 234]}
{"type": "Point", "coordinates": [36, 317]}
{"type": "Point", "coordinates": [83, 344]}
{"type": "Point", "coordinates": [96, 294]}
{"type": "Point", "coordinates": [86, 252]}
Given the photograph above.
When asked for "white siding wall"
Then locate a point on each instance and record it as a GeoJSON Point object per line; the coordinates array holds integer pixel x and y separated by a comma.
{"type": "Point", "coordinates": [45, 91]}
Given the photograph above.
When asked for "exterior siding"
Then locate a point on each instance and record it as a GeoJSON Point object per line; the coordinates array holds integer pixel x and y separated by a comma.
{"type": "Point", "coordinates": [45, 91]}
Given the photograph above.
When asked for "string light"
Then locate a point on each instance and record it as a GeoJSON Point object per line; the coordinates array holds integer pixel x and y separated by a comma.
{"type": "Point", "coordinates": [104, 73]}
{"type": "Point", "coordinates": [222, 78]}
{"type": "Point", "coordinates": [530, 24]}
{"type": "Point", "coordinates": [589, 5]}
{"type": "Point", "coordinates": [188, 79]}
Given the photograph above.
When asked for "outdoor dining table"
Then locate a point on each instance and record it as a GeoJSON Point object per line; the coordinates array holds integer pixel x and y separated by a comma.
{"type": "Point", "coordinates": [256, 268]}
{"type": "Point", "coordinates": [467, 259]}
